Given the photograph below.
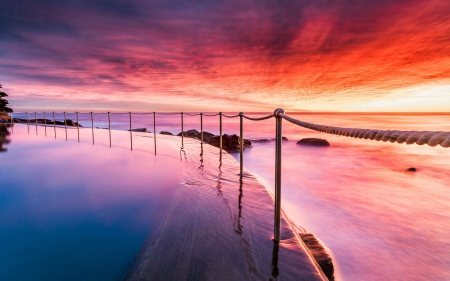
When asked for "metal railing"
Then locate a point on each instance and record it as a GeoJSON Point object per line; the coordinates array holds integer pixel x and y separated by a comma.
{"type": "Point", "coordinates": [432, 138]}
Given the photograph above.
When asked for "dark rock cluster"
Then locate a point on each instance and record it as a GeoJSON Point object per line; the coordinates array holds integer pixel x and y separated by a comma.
{"type": "Point", "coordinates": [48, 122]}
{"type": "Point", "coordinates": [230, 143]}
{"type": "Point", "coordinates": [140, 130]}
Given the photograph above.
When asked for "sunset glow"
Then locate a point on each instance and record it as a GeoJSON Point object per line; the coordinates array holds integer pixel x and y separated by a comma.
{"type": "Point", "coordinates": [227, 55]}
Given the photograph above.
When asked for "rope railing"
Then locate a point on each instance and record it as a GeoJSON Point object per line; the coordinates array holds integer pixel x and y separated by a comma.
{"type": "Point", "coordinates": [230, 116]}
{"type": "Point", "coordinates": [258, 118]}
{"type": "Point", "coordinates": [431, 138]}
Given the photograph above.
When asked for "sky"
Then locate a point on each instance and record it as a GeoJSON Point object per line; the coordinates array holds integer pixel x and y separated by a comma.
{"type": "Point", "coordinates": [234, 55]}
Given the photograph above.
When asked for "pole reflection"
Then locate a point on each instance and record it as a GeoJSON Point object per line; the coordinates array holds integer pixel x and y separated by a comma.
{"type": "Point", "coordinates": [275, 271]}
{"type": "Point", "coordinates": [239, 225]}
{"type": "Point", "coordinates": [202, 165]}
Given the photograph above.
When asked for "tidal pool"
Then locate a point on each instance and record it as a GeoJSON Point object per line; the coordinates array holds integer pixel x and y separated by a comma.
{"type": "Point", "coordinates": [72, 210]}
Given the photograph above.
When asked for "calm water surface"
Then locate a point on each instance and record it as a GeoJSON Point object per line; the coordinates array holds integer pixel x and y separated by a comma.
{"type": "Point", "coordinates": [379, 221]}
{"type": "Point", "coordinates": [74, 211]}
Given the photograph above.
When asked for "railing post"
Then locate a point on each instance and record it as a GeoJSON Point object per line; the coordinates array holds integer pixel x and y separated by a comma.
{"type": "Point", "coordinates": [220, 138]}
{"type": "Point", "coordinates": [45, 124]}
{"type": "Point", "coordinates": [241, 143]}
{"type": "Point", "coordinates": [277, 219]}
{"type": "Point", "coordinates": [182, 131]}
{"type": "Point", "coordinates": [54, 123]}
{"type": "Point", "coordinates": [154, 129]}
{"type": "Point", "coordinates": [201, 127]}
{"type": "Point", "coordinates": [28, 123]}
{"type": "Point", "coordinates": [92, 123]}
{"type": "Point", "coordinates": [131, 134]}
{"type": "Point", "coordinates": [109, 129]}
{"type": "Point", "coordinates": [35, 122]}
{"type": "Point", "coordinates": [78, 127]}
{"type": "Point", "coordinates": [65, 123]}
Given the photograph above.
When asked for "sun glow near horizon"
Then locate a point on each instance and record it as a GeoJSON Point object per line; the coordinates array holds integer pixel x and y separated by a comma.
{"type": "Point", "coordinates": [252, 56]}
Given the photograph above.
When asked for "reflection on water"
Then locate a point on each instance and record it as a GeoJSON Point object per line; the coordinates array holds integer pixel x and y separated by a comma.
{"type": "Point", "coordinates": [74, 211]}
{"type": "Point", "coordinates": [4, 133]}
{"type": "Point", "coordinates": [276, 248]}
{"type": "Point", "coordinates": [239, 225]}
{"type": "Point", "coordinates": [201, 158]}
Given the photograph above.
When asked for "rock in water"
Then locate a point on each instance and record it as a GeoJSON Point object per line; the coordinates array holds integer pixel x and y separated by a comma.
{"type": "Point", "coordinates": [190, 133]}
{"type": "Point", "coordinates": [260, 140]}
{"type": "Point", "coordinates": [412, 169]}
{"type": "Point", "coordinates": [229, 143]}
{"type": "Point", "coordinates": [166, 133]}
{"type": "Point", "coordinates": [313, 142]}
{"type": "Point", "coordinates": [141, 130]}
{"type": "Point", "coordinates": [186, 135]}
{"type": "Point", "coordinates": [207, 136]}
{"type": "Point", "coordinates": [319, 254]}
{"type": "Point", "coordinates": [284, 139]}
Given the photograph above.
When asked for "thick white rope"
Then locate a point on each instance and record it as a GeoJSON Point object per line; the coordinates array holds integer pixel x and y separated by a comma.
{"type": "Point", "coordinates": [430, 138]}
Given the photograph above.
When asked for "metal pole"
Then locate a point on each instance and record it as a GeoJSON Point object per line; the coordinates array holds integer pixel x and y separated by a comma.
{"type": "Point", "coordinates": [28, 123]}
{"type": "Point", "coordinates": [154, 129]}
{"type": "Point", "coordinates": [65, 124]}
{"type": "Point", "coordinates": [109, 129]}
{"type": "Point", "coordinates": [241, 143]}
{"type": "Point", "coordinates": [182, 131]}
{"type": "Point", "coordinates": [78, 127]}
{"type": "Point", "coordinates": [35, 122]}
{"type": "Point", "coordinates": [45, 124]}
{"type": "Point", "coordinates": [92, 123]}
{"type": "Point", "coordinates": [131, 135]}
{"type": "Point", "coordinates": [277, 219]}
{"type": "Point", "coordinates": [201, 127]}
{"type": "Point", "coordinates": [54, 123]}
{"type": "Point", "coordinates": [220, 139]}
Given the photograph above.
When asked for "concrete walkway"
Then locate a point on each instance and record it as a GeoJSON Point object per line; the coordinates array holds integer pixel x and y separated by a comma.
{"type": "Point", "coordinates": [220, 227]}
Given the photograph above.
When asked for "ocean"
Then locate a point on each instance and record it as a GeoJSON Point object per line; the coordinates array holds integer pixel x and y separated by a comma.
{"type": "Point", "coordinates": [378, 221]}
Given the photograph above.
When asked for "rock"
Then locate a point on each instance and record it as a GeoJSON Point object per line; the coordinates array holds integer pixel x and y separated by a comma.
{"type": "Point", "coordinates": [69, 122]}
{"type": "Point", "coordinates": [196, 134]}
{"type": "Point", "coordinates": [192, 133]}
{"type": "Point", "coordinates": [141, 130]}
{"type": "Point", "coordinates": [229, 143]}
{"type": "Point", "coordinates": [166, 133]}
{"type": "Point", "coordinates": [313, 142]}
{"type": "Point", "coordinates": [186, 135]}
{"type": "Point", "coordinates": [207, 136]}
{"type": "Point", "coordinates": [319, 254]}
{"type": "Point", "coordinates": [412, 169]}
{"type": "Point", "coordinates": [284, 139]}
{"type": "Point", "coordinates": [260, 140]}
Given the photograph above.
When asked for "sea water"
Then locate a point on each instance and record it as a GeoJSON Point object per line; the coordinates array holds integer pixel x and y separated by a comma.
{"type": "Point", "coordinates": [75, 211]}
{"type": "Point", "coordinates": [379, 221]}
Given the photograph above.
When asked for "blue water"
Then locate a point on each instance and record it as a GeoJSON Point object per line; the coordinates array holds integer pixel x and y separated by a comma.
{"type": "Point", "coordinates": [72, 211]}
